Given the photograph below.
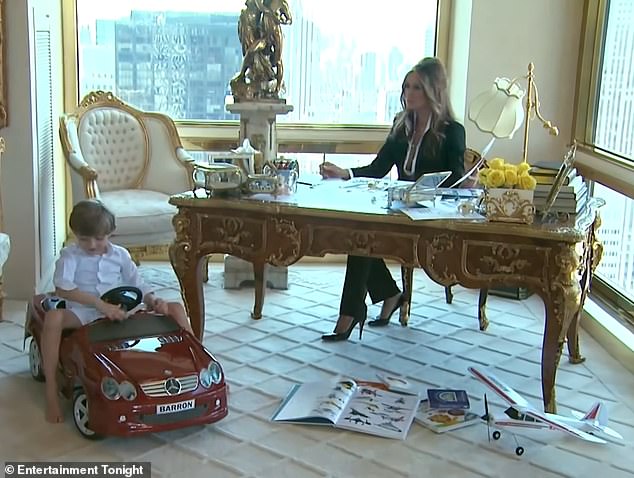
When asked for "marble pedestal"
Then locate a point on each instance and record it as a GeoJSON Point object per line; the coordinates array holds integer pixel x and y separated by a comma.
{"type": "Point", "coordinates": [238, 271]}
{"type": "Point", "coordinates": [258, 124]}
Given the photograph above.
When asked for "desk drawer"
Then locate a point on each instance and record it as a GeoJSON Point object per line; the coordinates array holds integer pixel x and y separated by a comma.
{"type": "Point", "coordinates": [389, 245]}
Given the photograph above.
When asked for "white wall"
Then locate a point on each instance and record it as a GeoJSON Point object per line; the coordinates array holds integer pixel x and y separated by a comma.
{"type": "Point", "coordinates": [18, 161]}
{"type": "Point", "coordinates": [505, 35]}
{"type": "Point", "coordinates": [19, 174]}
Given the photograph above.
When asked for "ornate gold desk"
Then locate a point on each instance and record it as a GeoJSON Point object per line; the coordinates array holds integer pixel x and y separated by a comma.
{"type": "Point", "coordinates": [552, 260]}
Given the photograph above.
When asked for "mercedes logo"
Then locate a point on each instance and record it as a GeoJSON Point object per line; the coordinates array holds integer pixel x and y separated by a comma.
{"type": "Point", "coordinates": [172, 386]}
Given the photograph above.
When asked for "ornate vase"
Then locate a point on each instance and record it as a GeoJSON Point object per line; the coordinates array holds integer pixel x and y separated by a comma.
{"type": "Point", "coordinates": [510, 205]}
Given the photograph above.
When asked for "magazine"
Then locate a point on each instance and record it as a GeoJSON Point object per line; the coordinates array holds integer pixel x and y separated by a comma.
{"type": "Point", "coordinates": [359, 406]}
{"type": "Point", "coordinates": [441, 421]}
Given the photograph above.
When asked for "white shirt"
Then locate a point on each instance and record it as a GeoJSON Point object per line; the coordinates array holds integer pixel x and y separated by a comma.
{"type": "Point", "coordinates": [412, 151]}
{"type": "Point", "coordinates": [95, 274]}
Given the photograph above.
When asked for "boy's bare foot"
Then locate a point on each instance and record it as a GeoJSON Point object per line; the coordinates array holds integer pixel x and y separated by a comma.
{"type": "Point", "coordinates": [53, 408]}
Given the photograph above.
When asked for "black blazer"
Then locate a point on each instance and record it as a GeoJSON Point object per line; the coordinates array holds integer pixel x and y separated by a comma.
{"type": "Point", "coordinates": [448, 156]}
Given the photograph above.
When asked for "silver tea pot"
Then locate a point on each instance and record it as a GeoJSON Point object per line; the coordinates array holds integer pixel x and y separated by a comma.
{"type": "Point", "coordinates": [218, 177]}
{"type": "Point", "coordinates": [226, 179]}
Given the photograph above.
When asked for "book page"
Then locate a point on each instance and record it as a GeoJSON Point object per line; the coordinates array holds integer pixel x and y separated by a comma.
{"type": "Point", "coordinates": [315, 402]}
{"type": "Point", "coordinates": [379, 412]}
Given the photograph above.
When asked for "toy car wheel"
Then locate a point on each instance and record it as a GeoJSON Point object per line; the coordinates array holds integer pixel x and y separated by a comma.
{"type": "Point", "coordinates": [35, 361]}
{"type": "Point", "coordinates": [519, 451]}
{"type": "Point", "coordinates": [81, 415]}
{"type": "Point", "coordinates": [496, 435]}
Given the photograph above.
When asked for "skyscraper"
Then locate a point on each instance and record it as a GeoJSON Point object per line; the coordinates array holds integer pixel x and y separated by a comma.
{"type": "Point", "coordinates": [177, 63]}
{"type": "Point", "coordinates": [615, 132]}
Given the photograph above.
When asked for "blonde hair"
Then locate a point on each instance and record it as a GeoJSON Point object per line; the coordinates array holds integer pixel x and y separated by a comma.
{"type": "Point", "coordinates": [433, 79]}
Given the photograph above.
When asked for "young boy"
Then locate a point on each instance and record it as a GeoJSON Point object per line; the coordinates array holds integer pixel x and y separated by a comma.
{"type": "Point", "coordinates": [83, 273]}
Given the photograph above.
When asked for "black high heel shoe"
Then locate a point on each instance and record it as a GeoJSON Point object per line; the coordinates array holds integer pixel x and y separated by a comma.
{"type": "Point", "coordinates": [383, 321]}
{"type": "Point", "coordinates": [334, 337]}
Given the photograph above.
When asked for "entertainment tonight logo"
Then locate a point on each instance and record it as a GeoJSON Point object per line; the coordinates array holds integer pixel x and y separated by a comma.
{"type": "Point", "coordinates": [64, 469]}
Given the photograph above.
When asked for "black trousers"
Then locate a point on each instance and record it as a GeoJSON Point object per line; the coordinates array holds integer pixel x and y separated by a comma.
{"type": "Point", "coordinates": [365, 275]}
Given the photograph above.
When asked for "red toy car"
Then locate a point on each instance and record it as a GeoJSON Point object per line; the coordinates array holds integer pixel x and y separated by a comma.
{"type": "Point", "coordinates": [144, 374]}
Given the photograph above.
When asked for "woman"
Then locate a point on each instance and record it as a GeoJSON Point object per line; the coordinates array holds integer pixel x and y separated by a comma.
{"type": "Point", "coordinates": [425, 138]}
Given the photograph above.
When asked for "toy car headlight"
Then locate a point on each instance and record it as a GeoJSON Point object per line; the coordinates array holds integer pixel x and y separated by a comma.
{"type": "Point", "coordinates": [110, 388]}
{"type": "Point", "coordinates": [215, 371]}
{"type": "Point", "coordinates": [205, 378]}
{"type": "Point", "coordinates": [127, 390]}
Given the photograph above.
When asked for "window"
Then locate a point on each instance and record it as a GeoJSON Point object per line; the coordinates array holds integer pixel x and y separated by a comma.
{"type": "Point", "coordinates": [344, 61]}
{"type": "Point", "coordinates": [616, 233]}
{"type": "Point", "coordinates": [614, 130]}
{"type": "Point", "coordinates": [605, 125]}
{"type": "Point", "coordinates": [605, 112]}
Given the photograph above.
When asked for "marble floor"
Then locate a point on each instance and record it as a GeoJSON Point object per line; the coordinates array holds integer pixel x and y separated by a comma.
{"type": "Point", "coordinates": [263, 359]}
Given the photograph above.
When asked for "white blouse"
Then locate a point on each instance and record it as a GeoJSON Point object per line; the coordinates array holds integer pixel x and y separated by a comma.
{"type": "Point", "coordinates": [409, 166]}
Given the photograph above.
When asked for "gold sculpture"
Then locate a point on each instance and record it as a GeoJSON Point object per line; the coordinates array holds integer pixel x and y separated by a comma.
{"type": "Point", "coordinates": [260, 33]}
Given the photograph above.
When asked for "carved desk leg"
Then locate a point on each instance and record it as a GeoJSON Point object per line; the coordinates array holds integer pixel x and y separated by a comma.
{"type": "Point", "coordinates": [187, 264]}
{"type": "Point", "coordinates": [572, 335]}
{"type": "Point", "coordinates": [552, 347]}
{"type": "Point", "coordinates": [562, 302]}
{"type": "Point", "coordinates": [260, 288]}
{"type": "Point", "coordinates": [593, 250]}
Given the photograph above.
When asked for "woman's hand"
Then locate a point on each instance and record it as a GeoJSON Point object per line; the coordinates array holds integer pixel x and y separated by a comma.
{"type": "Point", "coordinates": [329, 170]}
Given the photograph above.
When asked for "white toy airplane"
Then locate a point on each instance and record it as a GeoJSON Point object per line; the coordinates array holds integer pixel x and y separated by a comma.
{"type": "Point", "coordinates": [591, 426]}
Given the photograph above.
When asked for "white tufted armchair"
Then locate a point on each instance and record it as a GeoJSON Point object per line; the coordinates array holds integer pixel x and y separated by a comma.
{"type": "Point", "coordinates": [132, 161]}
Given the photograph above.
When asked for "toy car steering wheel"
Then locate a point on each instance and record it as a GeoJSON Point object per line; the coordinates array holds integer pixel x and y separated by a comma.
{"type": "Point", "coordinates": [127, 297]}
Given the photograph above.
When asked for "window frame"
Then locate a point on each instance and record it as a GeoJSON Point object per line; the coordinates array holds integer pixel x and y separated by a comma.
{"type": "Point", "coordinates": [595, 163]}
{"type": "Point", "coordinates": [222, 135]}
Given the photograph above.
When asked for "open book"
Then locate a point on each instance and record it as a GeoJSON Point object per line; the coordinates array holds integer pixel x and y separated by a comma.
{"type": "Point", "coordinates": [358, 406]}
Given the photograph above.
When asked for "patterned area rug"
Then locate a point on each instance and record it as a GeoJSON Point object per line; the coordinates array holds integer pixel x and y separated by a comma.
{"type": "Point", "coordinates": [262, 359]}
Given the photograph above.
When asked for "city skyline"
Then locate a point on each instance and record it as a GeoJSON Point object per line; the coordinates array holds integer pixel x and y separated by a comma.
{"type": "Point", "coordinates": [331, 79]}
{"type": "Point", "coordinates": [614, 132]}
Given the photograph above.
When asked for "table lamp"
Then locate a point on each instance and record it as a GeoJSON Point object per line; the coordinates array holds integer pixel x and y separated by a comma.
{"type": "Point", "coordinates": [499, 111]}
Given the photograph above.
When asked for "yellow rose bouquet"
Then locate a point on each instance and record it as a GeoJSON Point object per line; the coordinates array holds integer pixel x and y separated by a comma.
{"type": "Point", "coordinates": [500, 174]}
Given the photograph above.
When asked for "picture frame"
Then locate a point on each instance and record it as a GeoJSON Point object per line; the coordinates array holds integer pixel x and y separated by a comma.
{"type": "Point", "coordinates": [4, 122]}
{"type": "Point", "coordinates": [566, 167]}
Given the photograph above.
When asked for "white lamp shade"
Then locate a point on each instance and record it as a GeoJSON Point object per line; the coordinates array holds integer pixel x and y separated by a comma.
{"type": "Point", "coordinates": [499, 111]}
